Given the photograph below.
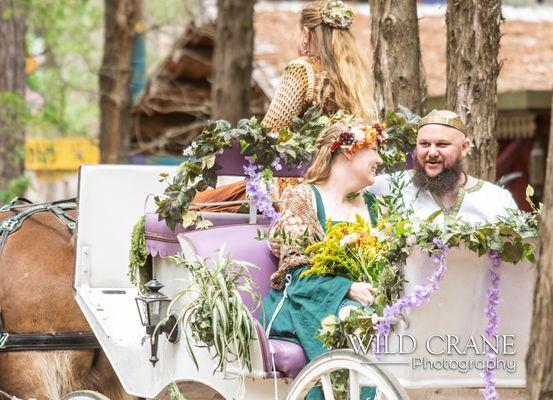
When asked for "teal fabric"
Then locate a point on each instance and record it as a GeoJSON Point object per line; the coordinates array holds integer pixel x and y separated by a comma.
{"type": "Point", "coordinates": [309, 300]}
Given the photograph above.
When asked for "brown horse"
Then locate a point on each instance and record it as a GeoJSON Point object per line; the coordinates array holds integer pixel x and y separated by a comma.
{"type": "Point", "coordinates": [36, 296]}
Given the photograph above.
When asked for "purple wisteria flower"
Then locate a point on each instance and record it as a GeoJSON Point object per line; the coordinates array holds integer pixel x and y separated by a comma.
{"type": "Point", "coordinates": [260, 197]}
{"type": "Point", "coordinates": [420, 295]}
{"type": "Point", "coordinates": [489, 392]}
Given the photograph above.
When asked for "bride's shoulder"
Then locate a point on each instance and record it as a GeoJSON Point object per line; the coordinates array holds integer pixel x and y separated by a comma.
{"type": "Point", "coordinates": [305, 64]}
{"type": "Point", "coordinates": [300, 191]}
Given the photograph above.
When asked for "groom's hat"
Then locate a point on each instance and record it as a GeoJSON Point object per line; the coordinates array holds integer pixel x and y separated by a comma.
{"type": "Point", "coordinates": [444, 117]}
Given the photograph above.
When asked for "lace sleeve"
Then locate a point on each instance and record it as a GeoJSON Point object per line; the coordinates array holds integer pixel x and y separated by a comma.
{"type": "Point", "coordinates": [298, 223]}
{"type": "Point", "coordinates": [291, 98]}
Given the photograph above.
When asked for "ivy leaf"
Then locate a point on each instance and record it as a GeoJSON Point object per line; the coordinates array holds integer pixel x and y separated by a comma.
{"type": "Point", "coordinates": [188, 218]}
{"type": "Point", "coordinates": [210, 177]}
{"type": "Point", "coordinates": [203, 224]}
{"type": "Point", "coordinates": [512, 252]}
{"type": "Point", "coordinates": [323, 120]}
{"type": "Point", "coordinates": [208, 162]}
{"type": "Point", "coordinates": [267, 174]}
{"type": "Point", "coordinates": [529, 191]}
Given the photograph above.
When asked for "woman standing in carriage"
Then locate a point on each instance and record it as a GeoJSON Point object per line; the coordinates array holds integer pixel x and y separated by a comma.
{"type": "Point", "coordinates": [345, 163]}
{"type": "Point", "coordinates": [331, 74]}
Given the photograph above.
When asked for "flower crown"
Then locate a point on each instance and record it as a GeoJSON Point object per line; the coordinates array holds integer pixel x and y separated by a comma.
{"type": "Point", "coordinates": [356, 138]}
{"type": "Point", "coordinates": [335, 14]}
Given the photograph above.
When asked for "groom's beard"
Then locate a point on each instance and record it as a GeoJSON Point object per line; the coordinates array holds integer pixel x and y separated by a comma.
{"type": "Point", "coordinates": [444, 182]}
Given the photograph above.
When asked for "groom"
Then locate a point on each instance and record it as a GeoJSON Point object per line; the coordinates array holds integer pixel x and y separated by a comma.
{"type": "Point", "coordinates": [439, 181]}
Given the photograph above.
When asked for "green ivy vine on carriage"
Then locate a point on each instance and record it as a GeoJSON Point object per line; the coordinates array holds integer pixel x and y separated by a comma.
{"type": "Point", "coordinates": [140, 270]}
{"type": "Point", "coordinates": [511, 236]}
{"type": "Point", "coordinates": [292, 147]}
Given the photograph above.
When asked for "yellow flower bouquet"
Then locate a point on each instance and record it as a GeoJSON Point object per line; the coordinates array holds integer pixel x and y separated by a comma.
{"type": "Point", "coordinates": [353, 250]}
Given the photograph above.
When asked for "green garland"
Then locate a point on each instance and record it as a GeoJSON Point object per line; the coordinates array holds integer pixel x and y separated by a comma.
{"type": "Point", "coordinates": [292, 147]}
{"type": "Point", "coordinates": [139, 267]}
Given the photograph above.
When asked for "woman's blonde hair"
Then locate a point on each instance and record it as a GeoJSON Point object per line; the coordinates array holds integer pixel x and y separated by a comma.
{"type": "Point", "coordinates": [347, 68]}
{"type": "Point", "coordinates": [319, 171]}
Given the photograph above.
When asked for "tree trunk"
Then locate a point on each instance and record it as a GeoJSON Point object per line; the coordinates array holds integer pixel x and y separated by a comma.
{"type": "Point", "coordinates": [397, 66]}
{"type": "Point", "coordinates": [539, 360]}
{"type": "Point", "coordinates": [472, 69]}
{"type": "Point", "coordinates": [232, 60]}
{"type": "Point", "coordinates": [121, 17]}
{"type": "Point", "coordinates": [12, 89]}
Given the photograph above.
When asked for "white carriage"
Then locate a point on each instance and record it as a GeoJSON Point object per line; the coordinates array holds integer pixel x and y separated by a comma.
{"type": "Point", "coordinates": [112, 198]}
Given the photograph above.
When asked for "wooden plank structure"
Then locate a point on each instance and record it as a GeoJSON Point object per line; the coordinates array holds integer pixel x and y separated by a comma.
{"type": "Point", "coordinates": [176, 102]}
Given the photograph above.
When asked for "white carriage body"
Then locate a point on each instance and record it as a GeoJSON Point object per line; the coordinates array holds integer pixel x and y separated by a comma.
{"type": "Point", "coordinates": [457, 309]}
{"type": "Point", "coordinates": [112, 199]}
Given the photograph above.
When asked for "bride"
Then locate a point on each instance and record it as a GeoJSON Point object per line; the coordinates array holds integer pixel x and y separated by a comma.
{"type": "Point", "coordinates": [345, 163]}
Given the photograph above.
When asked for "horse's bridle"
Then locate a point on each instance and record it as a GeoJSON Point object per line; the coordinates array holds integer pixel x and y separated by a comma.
{"type": "Point", "coordinates": [24, 211]}
{"type": "Point", "coordinates": [40, 341]}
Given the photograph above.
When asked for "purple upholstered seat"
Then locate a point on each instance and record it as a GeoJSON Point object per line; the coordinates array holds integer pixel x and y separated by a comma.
{"type": "Point", "coordinates": [289, 357]}
{"type": "Point", "coordinates": [241, 244]}
{"type": "Point", "coordinates": [162, 241]}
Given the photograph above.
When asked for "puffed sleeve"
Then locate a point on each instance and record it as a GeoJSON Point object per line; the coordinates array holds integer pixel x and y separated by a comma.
{"type": "Point", "coordinates": [291, 97]}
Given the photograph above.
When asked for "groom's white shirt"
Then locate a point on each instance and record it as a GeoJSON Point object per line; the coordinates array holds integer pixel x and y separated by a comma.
{"type": "Point", "coordinates": [484, 202]}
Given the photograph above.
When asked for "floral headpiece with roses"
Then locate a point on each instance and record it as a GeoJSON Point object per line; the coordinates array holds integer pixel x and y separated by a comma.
{"type": "Point", "coordinates": [353, 139]}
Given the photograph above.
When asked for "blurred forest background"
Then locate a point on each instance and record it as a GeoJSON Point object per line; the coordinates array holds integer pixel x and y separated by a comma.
{"type": "Point", "coordinates": [133, 81]}
{"type": "Point", "coordinates": [59, 107]}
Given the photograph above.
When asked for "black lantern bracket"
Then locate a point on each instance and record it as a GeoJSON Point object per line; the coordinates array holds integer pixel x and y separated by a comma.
{"type": "Point", "coordinates": [152, 308]}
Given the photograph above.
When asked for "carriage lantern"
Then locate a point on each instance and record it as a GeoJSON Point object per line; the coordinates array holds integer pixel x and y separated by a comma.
{"type": "Point", "coordinates": [152, 307]}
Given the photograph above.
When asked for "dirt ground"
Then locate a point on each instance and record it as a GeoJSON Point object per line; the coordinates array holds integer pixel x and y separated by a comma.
{"type": "Point", "coordinates": [465, 394]}
{"type": "Point", "coordinates": [193, 391]}
{"type": "Point", "coordinates": [197, 391]}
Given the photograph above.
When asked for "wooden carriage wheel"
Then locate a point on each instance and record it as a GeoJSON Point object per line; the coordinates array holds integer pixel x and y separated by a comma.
{"type": "Point", "coordinates": [85, 395]}
{"type": "Point", "coordinates": [358, 366]}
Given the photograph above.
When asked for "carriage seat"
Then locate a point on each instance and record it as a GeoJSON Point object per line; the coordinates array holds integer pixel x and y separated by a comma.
{"type": "Point", "coordinates": [162, 241]}
{"type": "Point", "coordinates": [241, 244]}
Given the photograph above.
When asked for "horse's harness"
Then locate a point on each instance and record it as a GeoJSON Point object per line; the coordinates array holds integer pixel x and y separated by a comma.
{"type": "Point", "coordinates": [40, 341]}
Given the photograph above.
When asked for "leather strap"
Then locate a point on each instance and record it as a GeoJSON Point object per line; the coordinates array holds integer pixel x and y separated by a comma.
{"type": "Point", "coordinates": [40, 341]}
{"type": "Point", "coordinates": [44, 341]}
{"type": "Point", "coordinates": [24, 211]}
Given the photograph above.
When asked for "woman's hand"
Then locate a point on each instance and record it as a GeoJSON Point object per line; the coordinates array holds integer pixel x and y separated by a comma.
{"type": "Point", "coordinates": [361, 292]}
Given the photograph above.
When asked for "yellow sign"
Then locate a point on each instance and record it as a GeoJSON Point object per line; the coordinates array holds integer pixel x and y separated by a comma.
{"type": "Point", "coordinates": [60, 154]}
